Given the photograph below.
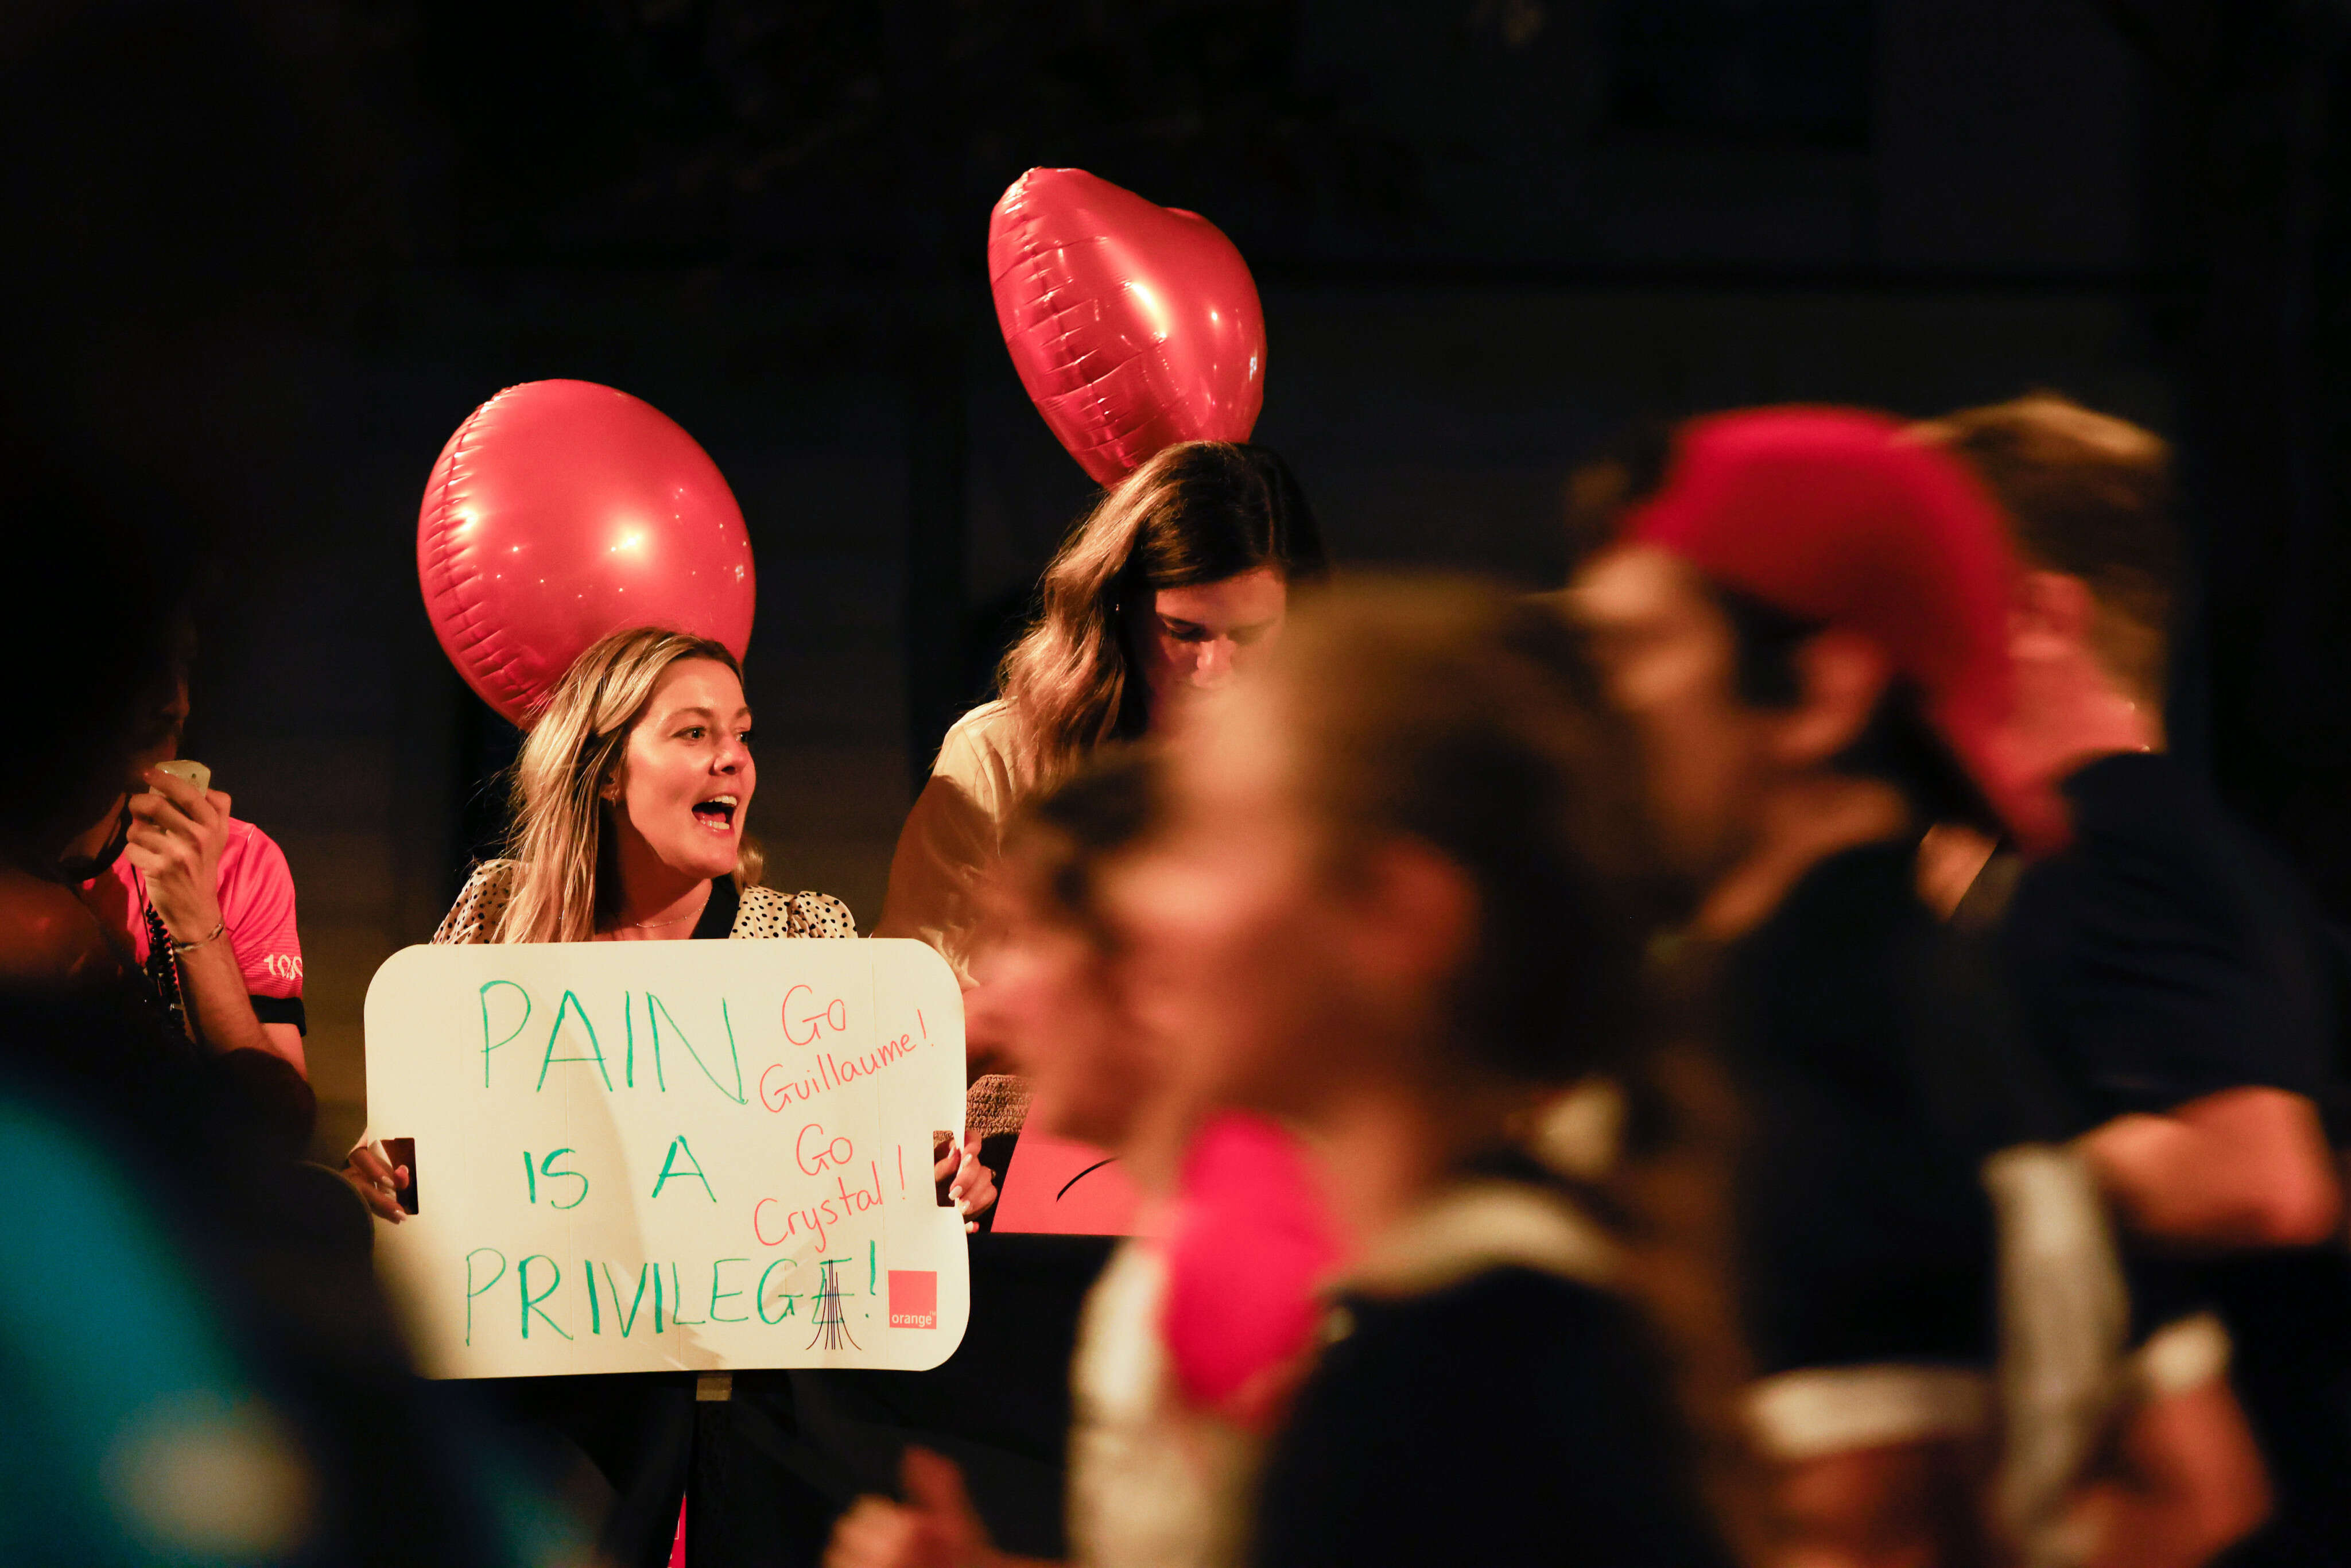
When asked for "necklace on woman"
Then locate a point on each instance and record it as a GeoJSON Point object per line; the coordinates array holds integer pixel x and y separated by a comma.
{"type": "Point", "coordinates": [683, 917]}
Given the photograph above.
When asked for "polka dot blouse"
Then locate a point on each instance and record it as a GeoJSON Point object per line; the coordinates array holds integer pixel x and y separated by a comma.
{"type": "Point", "coordinates": [762, 912]}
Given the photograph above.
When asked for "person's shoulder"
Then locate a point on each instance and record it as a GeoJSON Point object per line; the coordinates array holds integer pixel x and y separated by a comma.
{"type": "Point", "coordinates": [1494, 1327]}
{"type": "Point", "coordinates": [1499, 1349]}
{"type": "Point", "coordinates": [767, 913]}
{"type": "Point", "coordinates": [246, 851]}
{"type": "Point", "coordinates": [488, 874]}
{"type": "Point", "coordinates": [990, 726]}
{"type": "Point", "coordinates": [2145, 814]}
{"type": "Point", "coordinates": [1867, 894]}
{"type": "Point", "coordinates": [1118, 1365]}
{"type": "Point", "coordinates": [480, 902]}
{"type": "Point", "coordinates": [2121, 783]}
{"type": "Point", "coordinates": [982, 746]}
{"type": "Point", "coordinates": [2154, 848]}
{"type": "Point", "coordinates": [1500, 1267]}
{"type": "Point", "coordinates": [1540, 1412]}
{"type": "Point", "coordinates": [1831, 934]}
{"type": "Point", "coordinates": [47, 940]}
{"type": "Point", "coordinates": [821, 915]}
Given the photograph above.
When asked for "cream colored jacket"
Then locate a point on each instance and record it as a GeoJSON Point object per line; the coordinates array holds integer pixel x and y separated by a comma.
{"type": "Point", "coordinates": [954, 835]}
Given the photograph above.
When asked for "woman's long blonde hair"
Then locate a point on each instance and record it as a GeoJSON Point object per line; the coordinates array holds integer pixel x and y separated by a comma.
{"type": "Point", "coordinates": [557, 795]}
{"type": "Point", "coordinates": [1200, 511]}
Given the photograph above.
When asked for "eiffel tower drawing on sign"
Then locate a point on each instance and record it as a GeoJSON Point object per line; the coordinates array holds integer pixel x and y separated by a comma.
{"type": "Point", "coordinates": [831, 1327]}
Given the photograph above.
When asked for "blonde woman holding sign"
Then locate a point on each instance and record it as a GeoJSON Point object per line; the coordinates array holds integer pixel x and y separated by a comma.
{"type": "Point", "coordinates": [630, 799]}
{"type": "Point", "coordinates": [629, 802]}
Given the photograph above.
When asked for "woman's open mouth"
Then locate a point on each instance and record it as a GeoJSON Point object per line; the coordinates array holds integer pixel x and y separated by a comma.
{"type": "Point", "coordinates": [717, 813]}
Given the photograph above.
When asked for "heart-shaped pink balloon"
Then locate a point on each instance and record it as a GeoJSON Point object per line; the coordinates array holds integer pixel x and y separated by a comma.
{"type": "Point", "coordinates": [560, 511]}
{"type": "Point", "coordinates": [1133, 326]}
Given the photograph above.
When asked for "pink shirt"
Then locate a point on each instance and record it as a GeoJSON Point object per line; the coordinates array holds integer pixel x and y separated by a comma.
{"type": "Point", "coordinates": [256, 901]}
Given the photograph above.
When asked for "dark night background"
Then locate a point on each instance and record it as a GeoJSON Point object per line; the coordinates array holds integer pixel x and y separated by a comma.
{"type": "Point", "coordinates": [275, 251]}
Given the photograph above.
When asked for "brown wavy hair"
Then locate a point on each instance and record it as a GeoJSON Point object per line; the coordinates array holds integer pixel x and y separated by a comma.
{"type": "Point", "coordinates": [1200, 511]}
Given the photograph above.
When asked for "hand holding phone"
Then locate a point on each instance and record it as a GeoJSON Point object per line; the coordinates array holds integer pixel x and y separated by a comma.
{"type": "Point", "coordinates": [179, 826]}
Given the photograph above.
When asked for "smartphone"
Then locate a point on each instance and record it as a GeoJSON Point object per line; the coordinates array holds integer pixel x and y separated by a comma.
{"type": "Point", "coordinates": [195, 773]}
{"type": "Point", "coordinates": [942, 1144]}
{"type": "Point", "coordinates": [402, 1152]}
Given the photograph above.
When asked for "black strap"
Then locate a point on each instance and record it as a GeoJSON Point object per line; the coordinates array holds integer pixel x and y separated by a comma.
{"type": "Point", "coordinates": [1985, 904]}
{"type": "Point", "coordinates": [281, 1010]}
{"type": "Point", "coordinates": [717, 921]}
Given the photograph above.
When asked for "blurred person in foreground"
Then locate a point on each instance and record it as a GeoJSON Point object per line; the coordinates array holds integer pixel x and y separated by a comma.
{"type": "Point", "coordinates": [1398, 895]}
{"type": "Point", "coordinates": [197, 1369]}
{"type": "Point", "coordinates": [1183, 1362]}
{"type": "Point", "coordinates": [2174, 976]}
{"type": "Point", "coordinates": [1805, 624]}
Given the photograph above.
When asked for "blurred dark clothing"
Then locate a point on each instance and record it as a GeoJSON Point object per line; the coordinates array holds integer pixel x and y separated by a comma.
{"type": "Point", "coordinates": [767, 1469]}
{"type": "Point", "coordinates": [2163, 956]}
{"type": "Point", "coordinates": [250, 1321]}
{"type": "Point", "coordinates": [110, 1055]}
{"type": "Point", "coordinates": [1491, 1412]}
{"type": "Point", "coordinates": [999, 1406]}
{"type": "Point", "coordinates": [1876, 1059]}
{"type": "Point", "coordinates": [637, 1428]}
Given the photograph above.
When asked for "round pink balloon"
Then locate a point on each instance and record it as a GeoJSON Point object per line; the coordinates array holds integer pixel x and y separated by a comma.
{"type": "Point", "coordinates": [560, 511]}
{"type": "Point", "coordinates": [1133, 326]}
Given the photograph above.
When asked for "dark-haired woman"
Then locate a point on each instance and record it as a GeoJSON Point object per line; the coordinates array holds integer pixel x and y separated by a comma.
{"type": "Point", "coordinates": [1181, 575]}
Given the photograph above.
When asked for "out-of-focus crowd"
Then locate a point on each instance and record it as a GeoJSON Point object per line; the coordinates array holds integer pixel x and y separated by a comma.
{"type": "Point", "coordinates": [1758, 1056]}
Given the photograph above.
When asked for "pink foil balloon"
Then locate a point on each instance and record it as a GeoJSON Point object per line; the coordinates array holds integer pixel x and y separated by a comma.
{"type": "Point", "coordinates": [560, 511]}
{"type": "Point", "coordinates": [1133, 326]}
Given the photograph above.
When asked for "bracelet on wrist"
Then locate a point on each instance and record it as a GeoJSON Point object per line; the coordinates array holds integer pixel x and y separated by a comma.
{"type": "Point", "coordinates": [219, 927]}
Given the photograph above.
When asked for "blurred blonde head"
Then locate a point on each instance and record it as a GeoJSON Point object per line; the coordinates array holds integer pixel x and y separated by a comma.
{"type": "Point", "coordinates": [2089, 496]}
{"type": "Point", "coordinates": [562, 831]}
{"type": "Point", "coordinates": [1458, 717]}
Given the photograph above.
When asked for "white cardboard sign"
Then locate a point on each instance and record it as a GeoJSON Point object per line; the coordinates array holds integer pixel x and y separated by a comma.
{"type": "Point", "coordinates": [664, 1155]}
